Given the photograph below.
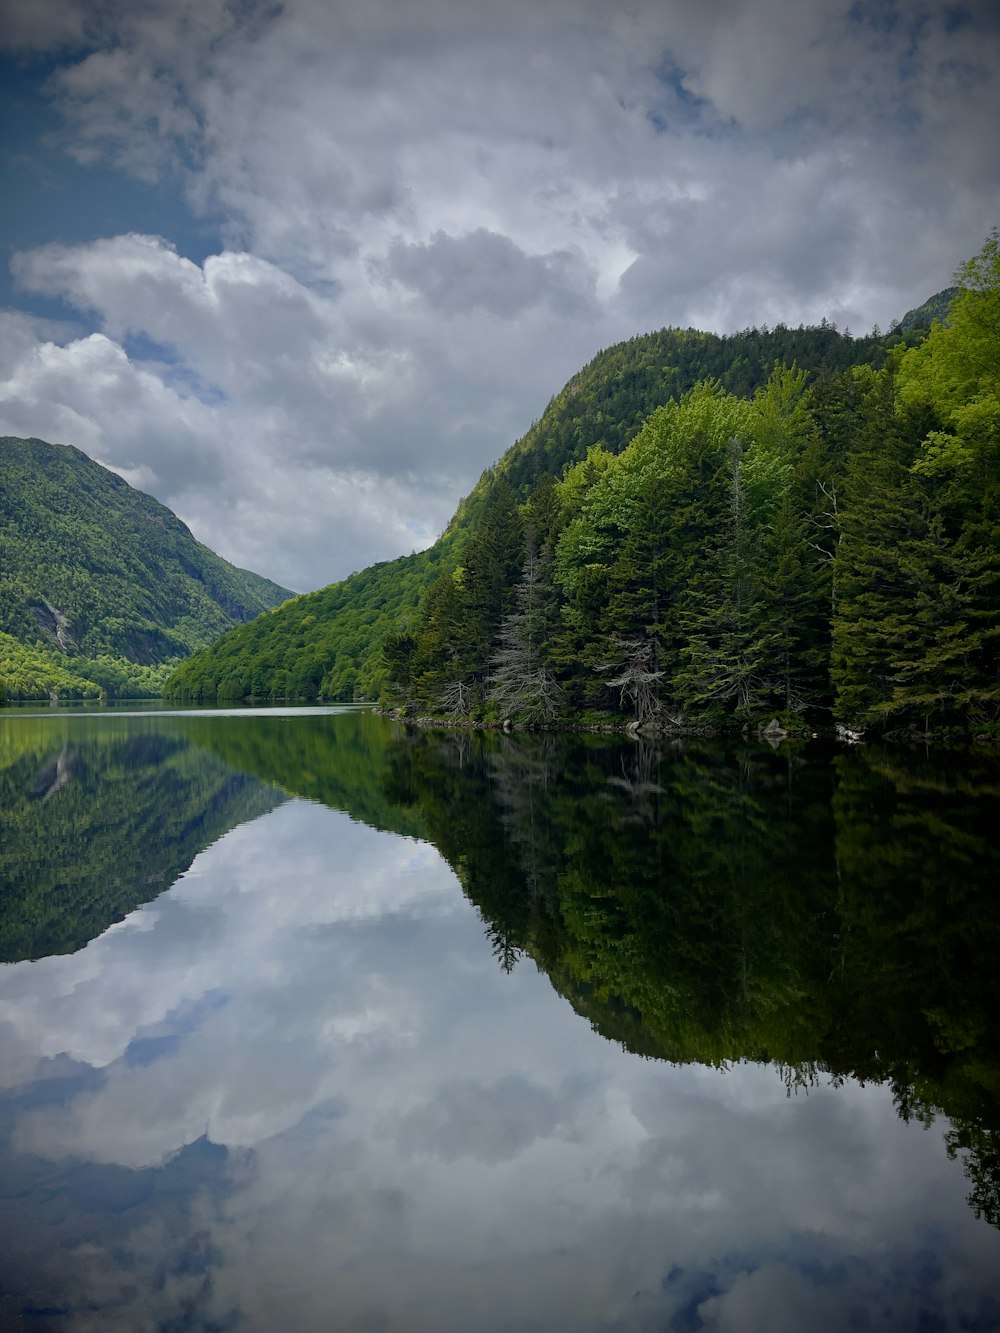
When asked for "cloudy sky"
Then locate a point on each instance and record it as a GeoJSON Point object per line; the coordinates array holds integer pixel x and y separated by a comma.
{"type": "Point", "coordinates": [302, 270]}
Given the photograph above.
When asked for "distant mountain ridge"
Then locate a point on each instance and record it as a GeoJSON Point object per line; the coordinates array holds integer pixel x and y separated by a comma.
{"type": "Point", "coordinates": [934, 308]}
{"type": "Point", "coordinates": [99, 582]}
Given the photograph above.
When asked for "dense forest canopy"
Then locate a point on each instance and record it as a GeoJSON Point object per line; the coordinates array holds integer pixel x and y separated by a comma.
{"type": "Point", "coordinates": [699, 531]}
{"type": "Point", "coordinates": [103, 589]}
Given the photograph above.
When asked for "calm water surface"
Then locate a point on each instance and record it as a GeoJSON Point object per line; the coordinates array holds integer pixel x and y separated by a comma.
{"type": "Point", "coordinates": [310, 1023]}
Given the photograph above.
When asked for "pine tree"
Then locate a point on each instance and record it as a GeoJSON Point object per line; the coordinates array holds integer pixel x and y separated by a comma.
{"type": "Point", "coordinates": [880, 519]}
{"type": "Point", "coordinates": [731, 647]}
{"type": "Point", "coordinates": [491, 567]}
{"type": "Point", "coordinates": [443, 658]}
{"type": "Point", "coordinates": [521, 682]}
{"type": "Point", "coordinates": [795, 602]}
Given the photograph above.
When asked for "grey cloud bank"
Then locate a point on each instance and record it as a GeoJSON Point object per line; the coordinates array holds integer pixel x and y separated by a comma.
{"type": "Point", "coordinates": [426, 217]}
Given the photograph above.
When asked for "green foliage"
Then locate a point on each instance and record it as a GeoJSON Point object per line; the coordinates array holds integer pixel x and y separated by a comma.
{"type": "Point", "coordinates": [917, 623]}
{"type": "Point", "coordinates": [956, 372]}
{"type": "Point", "coordinates": [607, 402]}
{"type": "Point", "coordinates": [936, 307]}
{"type": "Point", "coordinates": [102, 587]}
{"type": "Point", "coordinates": [40, 671]}
{"type": "Point", "coordinates": [326, 643]}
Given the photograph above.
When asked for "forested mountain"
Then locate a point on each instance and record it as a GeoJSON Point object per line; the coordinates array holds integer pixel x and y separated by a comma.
{"type": "Point", "coordinates": [328, 643]}
{"type": "Point", "coordinates": [102, 587]}
{"type": "Point", "coordinates": [700, 531]}
{"type": "Point", "coordinates": [936, 307]}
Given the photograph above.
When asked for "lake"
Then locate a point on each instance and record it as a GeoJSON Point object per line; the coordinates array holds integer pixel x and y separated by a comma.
{"type": "Point", "coordinates": [311, 1022]}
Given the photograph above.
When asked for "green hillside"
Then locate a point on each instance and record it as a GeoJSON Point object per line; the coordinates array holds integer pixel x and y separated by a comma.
{"type": "Point", "coordinates": [935, 307]}
{"type": "Point", "coordinates": [100, 584]}
{"type": "Point", "coordinates": [607, 402]}
{"type": "Point", "coordinates": [329, 643]}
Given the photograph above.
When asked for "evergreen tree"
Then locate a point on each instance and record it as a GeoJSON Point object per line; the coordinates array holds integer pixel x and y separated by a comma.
{"type": "Point", "coordinates": [490, 572]}
{"type": "Point", "coordinates": [731, 646]}
{"type": "Point", "coordinates": [443, 663]}
{"type": "Point", "coordinates": [872, 627]}
{"type": "Point", "coordinates": [521, 682]}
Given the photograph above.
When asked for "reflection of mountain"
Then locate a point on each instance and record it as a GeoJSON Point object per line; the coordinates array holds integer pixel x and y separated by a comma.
{"type": "Point", "coordinates": [703, 904]}
{"type": "Point", "coordinates": [832, 914]}
{"type": "Point", "coordinates": [828, 916]}
{"type": "Point", "coordinates": [99, 816]}
{"type": "Point", "coordinates": [337, 759]}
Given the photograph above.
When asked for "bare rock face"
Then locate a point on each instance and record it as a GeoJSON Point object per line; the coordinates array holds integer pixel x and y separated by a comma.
{"type": "Point", "coordinates": [54, 625]}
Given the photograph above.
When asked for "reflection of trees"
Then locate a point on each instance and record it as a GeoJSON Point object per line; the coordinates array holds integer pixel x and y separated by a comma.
{"type": "Point", "coordinates": [981, 1150]}
{"type": "Point", "coordinates": [918, 857]}
{"type": "Point", "coordinates": [638, 779]}
{"type": "Point", "coordinates": [482, 801]}
{"type": "Point", "coordinates": [695, 903]}
{"type": "Point", "coordinates": [704, 905]}
{"type": "Point", "coordinates": [338, 760]}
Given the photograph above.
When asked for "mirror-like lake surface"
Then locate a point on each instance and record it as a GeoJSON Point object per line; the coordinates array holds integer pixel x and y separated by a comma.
{"type": "Point", "coordinates": [309, 1022]}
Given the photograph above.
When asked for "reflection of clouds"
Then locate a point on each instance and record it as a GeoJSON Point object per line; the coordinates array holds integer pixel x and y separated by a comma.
{"type": "Point", "coordinates": [409, 1139]}
{"type": "Point", "coordinates": [492, 1122]}
{"type": "Point", "coordinates": [242, 920]}
{"type": "Point", "coordinates": [777, 1299]}
{"type": "Point", "coordinates": [283, 943]}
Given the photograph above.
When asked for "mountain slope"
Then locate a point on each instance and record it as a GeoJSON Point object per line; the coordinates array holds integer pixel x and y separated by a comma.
{"type": "Point", "coordinates": [329, 642]}
{"type": "Point", "coordinates": [816, 548]}
{"type": "Point", "coordinates": [92, 570]}
{"type": "Point", "coordinates": [935, 307]}
{"type": "Point", "coordinates": [607, 401]}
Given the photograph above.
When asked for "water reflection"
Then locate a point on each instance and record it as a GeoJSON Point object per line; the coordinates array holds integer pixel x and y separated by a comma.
{"type": "Point", "coordinates": [98, 815]}
{"type": "Point", "coordinates": [298, 1090]}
